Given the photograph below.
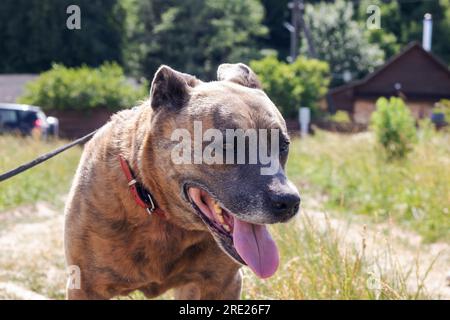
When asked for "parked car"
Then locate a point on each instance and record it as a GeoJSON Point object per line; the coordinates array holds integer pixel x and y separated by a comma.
{"type": "Point", "coordinates": [27, 120]}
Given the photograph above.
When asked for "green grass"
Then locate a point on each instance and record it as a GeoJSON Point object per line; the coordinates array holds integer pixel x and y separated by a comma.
{"type": "Point", "coordinates": [356, 179]}
{"type": "Point", "coordinates": [316, 261]}
{"type": "Point", "coordinates": [318, 264]}
{"type": "Point", "coordinates": [46, 182]}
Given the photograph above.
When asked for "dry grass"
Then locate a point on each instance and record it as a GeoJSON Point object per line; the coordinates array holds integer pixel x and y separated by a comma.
{"type": "Point", "coordinates": [317, 260]}
{"type": "Point", "coordinates": [322, 264]}
{"type": "Point", "coordinates": [42, 183]}
{"type": "Point", "coordinates": [356, 179]}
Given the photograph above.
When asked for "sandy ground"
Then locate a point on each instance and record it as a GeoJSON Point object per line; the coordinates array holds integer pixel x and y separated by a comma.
{"type": "Point", "coordinates": [31, 253]}
{"type": "Point", "coordinates": [32, 261]}
{"type": "Point", "coordinates": [390, 248]}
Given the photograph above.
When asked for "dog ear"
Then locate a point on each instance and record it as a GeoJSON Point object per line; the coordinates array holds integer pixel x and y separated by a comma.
{"type": "Point", "coordinates": [238, 73]}
{"type": "Point", "coordinates": [170, 88]}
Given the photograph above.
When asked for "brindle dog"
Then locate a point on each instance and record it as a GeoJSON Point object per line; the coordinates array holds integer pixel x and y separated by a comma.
{"type": "Point", "coordinates": [215, 214]}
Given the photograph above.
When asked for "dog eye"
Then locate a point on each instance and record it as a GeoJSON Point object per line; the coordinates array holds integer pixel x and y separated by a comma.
{"type": "Point", "coordinates": [284, 147]}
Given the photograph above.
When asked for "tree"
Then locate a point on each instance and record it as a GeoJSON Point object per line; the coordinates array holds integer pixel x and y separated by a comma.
{"type": "Point", "coordinates": [196, 36]}
{"type": "Point", "coordinates": [403, 20]}
{"type": "Point", "coordinates": [290, 86]}
{"type": "Point", "coordinates": [384, 37]}
{"type": "Point", "coordinates": [278, 37]}
{"type": "Point", "coordinates": [341, 41]}
{"type": "Point", "coordinates": [34, 34]}
{"type": "Point", "coordinates": [277, 14]}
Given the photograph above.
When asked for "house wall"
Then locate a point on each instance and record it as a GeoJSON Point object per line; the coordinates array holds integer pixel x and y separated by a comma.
{"type": "Point", "coordinates": [341, 100]}
{"type": "Point", "coordinates": [75, 124]}
{"type": "Point", "coordinates": [363, 109]}
{"type": "Point", "coordinates": [421, 109]}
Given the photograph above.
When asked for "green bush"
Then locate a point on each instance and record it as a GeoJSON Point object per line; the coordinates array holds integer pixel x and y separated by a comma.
{"type": "Point", "coordinates": [413, 193]}
{"type": "Point", "coordinates": [443, 106]}
{"type": "Point", "coordinates": [340, 117]}
{"type": "Point", "coordinates": [394, 127]}
{"type": "Point", "coordinates": [291, 86]}
{"type": "Point", "coordinates": [83, 88]}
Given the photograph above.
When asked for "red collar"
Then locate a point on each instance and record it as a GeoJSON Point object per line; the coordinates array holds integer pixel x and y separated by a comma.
{"type": "Point", "coordinates": [141, 195]}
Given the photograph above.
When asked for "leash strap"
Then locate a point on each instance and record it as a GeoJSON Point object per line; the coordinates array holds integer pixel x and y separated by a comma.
{"type": "Point", "coordinates": [44, 157]}
{"type": "Point", "coordinates": [140, 194]}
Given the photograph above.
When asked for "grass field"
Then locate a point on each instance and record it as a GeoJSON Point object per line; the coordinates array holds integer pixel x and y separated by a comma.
{"type": "Point", "coordinates": [324, 256]}
{"type": "Point", "coordinates": [46, 182]}
{"type": "Point", "coordinates": [356, 179]}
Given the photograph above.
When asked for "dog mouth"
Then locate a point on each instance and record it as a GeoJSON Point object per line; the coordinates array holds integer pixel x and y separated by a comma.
{"type": "Point", "coordinates": [247, 243]}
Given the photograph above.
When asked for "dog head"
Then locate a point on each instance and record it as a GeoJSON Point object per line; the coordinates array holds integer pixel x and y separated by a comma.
{"type": "Point", "coordinates": [221, 148]}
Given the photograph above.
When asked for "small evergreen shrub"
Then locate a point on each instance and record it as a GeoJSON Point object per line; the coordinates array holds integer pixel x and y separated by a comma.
{"type": "Point", "coordinates": [394, 127]}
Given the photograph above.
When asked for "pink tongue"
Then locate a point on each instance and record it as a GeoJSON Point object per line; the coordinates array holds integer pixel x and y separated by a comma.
{"type": "Point", "coordinates": [256, 247]}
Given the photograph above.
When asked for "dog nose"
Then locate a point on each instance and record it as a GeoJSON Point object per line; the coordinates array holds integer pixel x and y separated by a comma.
{"type": "Point", "coordinates": [285, 204]}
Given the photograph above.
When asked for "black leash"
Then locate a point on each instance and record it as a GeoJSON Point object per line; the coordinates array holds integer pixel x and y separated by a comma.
{"type": "Point", "coordinates": [45, 157]}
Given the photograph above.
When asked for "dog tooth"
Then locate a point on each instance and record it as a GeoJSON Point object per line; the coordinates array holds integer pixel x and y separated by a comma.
{"type": "Point", "coordinates": [226, 227]}
{"type": "Point", "coordinates": [220, 218]}
{"type": "Point", "coordinates": [217, 208]}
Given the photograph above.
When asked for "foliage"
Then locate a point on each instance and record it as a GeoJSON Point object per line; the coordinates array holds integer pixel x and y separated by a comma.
{"type": "Point", "coordinates": [277, 13]}
{"type": "Point", "coordinates": [404, 19]}
{"type": "Point", "coordinates": [384, 36]}
{"type": "Point", "coordinates": [290, 86]}
{"type": "Point", "coordinates": [394, 127]}
{"type": "Point", "coordinates": [443, 106]}
{"type": "Point", "coordinates": [426, 130]}
{"type": "Point", "coordinates": [340, 117]}
{"type": "Point", "coordinates": [34, 34]}
{"type": "Point", "coordinates": [341, 41]}
{"type": "Point", "coordinates": [196, 36]}
{"type": "Point", "coordinates": [317, 263]}
{"type": "Point", "coordinates": [413, 193]}
{"type": "Point", "coordinates": [83, 88]}
{"type": "Point", "coordinates": [42, 183]}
